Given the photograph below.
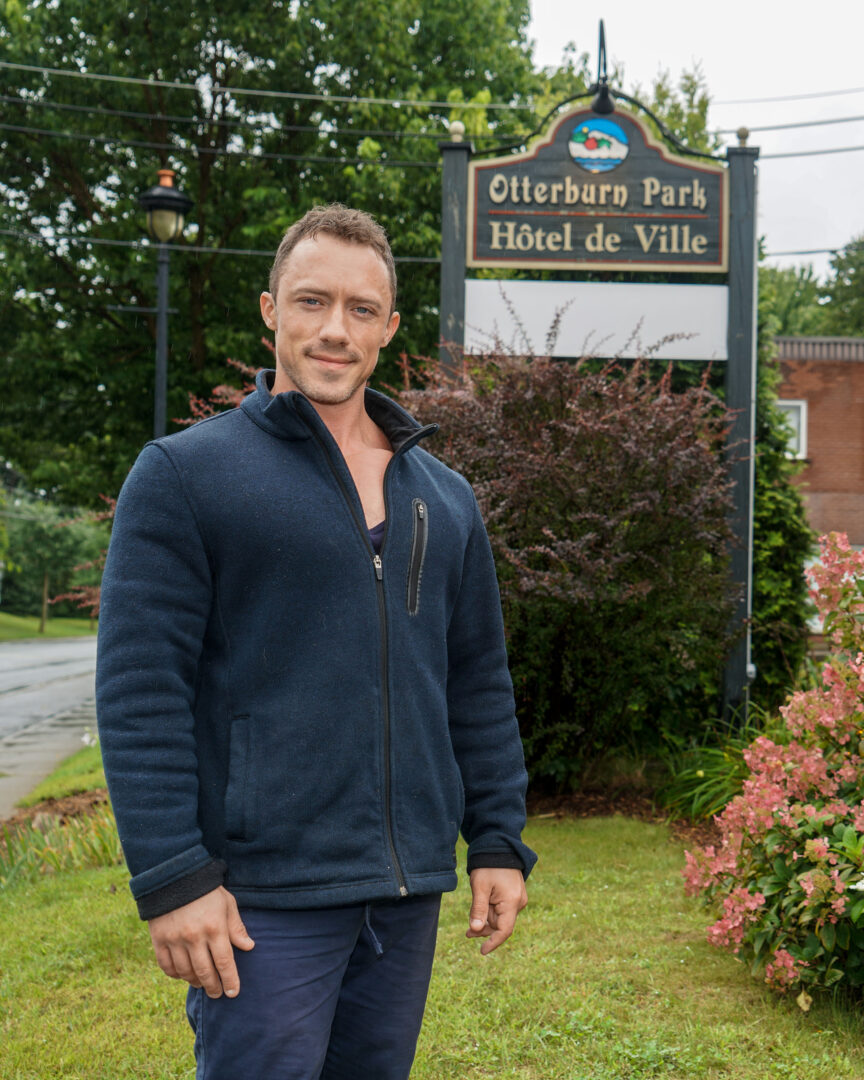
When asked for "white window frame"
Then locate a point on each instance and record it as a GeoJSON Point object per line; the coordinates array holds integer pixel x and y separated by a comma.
{"type": "Point", "coordinates": [801, 404]}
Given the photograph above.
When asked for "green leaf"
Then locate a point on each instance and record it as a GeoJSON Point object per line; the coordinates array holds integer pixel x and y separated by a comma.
{"type": "Point", "coordinates": [782, 869]}
{"type": "Point", "coordinates": [828, 936]}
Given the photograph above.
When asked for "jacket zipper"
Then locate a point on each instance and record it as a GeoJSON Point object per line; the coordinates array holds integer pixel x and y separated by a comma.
{"type": "Point", "coordinates": [418, 554]}
{"type": "Point", "coordinates": [385, 660]}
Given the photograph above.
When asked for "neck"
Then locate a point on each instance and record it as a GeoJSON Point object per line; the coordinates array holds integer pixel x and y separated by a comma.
{"type": "Point", "coordinates": [349, 423]}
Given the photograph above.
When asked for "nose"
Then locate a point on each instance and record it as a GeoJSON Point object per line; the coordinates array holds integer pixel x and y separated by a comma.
{"type": "Point", "coordinates": [335, 325]}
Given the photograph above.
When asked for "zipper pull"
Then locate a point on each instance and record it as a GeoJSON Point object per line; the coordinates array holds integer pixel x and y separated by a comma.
{"type": "Point", "coordinates": [421, 510]}
{"type": "Point", "coordinates": [376, 559]}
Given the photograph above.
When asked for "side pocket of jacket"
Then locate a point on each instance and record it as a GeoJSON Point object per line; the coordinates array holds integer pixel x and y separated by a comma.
{"type": "Point", "coordinates": [236, 791]}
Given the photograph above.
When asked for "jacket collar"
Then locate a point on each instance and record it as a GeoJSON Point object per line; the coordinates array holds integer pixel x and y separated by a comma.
{"type": "Point", "coordinates": [292, 416]}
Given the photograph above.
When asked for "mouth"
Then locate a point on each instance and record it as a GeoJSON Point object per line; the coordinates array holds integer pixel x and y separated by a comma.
{"type": "Point", "coordinates": [331, 361]}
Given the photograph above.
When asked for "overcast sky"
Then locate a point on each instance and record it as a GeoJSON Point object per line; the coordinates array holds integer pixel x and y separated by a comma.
{"type": "Point", "coordinates": [749, 49]}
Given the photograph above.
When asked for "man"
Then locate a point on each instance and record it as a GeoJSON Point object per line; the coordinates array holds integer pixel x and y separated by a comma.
{"type": "Point", "coordinates": [303, 693]}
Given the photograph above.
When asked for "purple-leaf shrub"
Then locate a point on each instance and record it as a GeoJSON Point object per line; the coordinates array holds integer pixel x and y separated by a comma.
{"type": "Point", "coordinates": [606, 499]}
{"type": "Point", "coordinates": [787, 876]}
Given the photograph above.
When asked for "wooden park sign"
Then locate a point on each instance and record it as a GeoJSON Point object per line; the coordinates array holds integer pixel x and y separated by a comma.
{"type": "Point", "coordinates": [598, 193]}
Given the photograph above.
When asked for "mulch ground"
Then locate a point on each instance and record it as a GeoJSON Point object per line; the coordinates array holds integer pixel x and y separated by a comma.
{"type": "Point", "coordinates": [69, 806]}
{"type": "Point", "coordinates": [633, 804]}
{"type": "Point", "coordinates": [583, 804]}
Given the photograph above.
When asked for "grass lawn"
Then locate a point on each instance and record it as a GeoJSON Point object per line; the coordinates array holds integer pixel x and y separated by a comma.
{"type": "Point", "coordinates": [609, 977]}
{"type": "Point", "coordinates": [17, 627]}
{"type": "Point", "coordinates": [81, 772]}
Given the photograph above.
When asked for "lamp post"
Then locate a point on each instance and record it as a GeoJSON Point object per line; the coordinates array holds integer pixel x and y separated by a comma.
{"type": "Point", "coordinates": [166, 208]}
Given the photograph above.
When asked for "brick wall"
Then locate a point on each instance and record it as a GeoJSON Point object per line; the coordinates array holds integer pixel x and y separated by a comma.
{"type": "Point", "coordinates": [828, 373]}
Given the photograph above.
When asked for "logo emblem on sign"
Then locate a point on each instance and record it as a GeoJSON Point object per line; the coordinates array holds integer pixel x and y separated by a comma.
{"type": "Point", "coordinates": [598, 145]}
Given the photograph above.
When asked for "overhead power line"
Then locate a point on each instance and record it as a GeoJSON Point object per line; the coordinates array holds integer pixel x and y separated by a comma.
{"type": "Point", "coordinates": [313, 158]}
{"type": "Point", "coordinates": [353, 99]}
{"type": "Point", "coordinates": [790, 97]}
{"type": "Point", "coordinates": [143, 245]}
{"type": "Point", "coordinates": [275, 128]}
{"type": "Point", "coordinates": [243, 91]}
{"type": "Point", "coordinates": [813, 153]}
{"type": "Point", "coordinates": [106, 140]}
{"type": "Point", "coordinates": [797, 124]}
{"type": "Point", "coordinates": [804, 251]}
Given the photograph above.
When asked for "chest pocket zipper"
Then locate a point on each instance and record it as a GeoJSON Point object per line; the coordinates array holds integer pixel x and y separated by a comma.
{"type": "Point", "coordinates": [420, 514]}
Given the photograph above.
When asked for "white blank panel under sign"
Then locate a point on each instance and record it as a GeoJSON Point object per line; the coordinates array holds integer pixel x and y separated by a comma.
{"type": "Point", "coordinates": [669, 322]}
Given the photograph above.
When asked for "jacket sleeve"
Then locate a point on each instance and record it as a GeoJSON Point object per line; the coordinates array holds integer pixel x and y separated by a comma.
{"type": "Point", "coordinates": [156, 597]}
{"type": "Point", "coordinates": [483, 727]}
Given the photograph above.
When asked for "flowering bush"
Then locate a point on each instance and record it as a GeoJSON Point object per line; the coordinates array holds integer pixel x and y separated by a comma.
{"type": "Point", "coordinates": [787, 874]}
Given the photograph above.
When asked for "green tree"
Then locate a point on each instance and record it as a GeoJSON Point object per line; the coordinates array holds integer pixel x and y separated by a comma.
{"type": "Point", "coordinates": [46, 547]}
{"type": "Point", "coordinates": [790, 296]}
{"type": "Point", "coordinates": [844, 291]}
{"type": "Point", "coordinates": [78, 373]}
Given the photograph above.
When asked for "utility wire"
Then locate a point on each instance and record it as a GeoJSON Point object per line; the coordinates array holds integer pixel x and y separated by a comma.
{"type": "Point", "coordinates": [804, 251]}
{"type": "Point", "coordinates": [143, 245]}
{"type": "Point", "coordinates": [265, 156]}
{"type": "Point", "coordinates": [319, 158]}
{"type": "Point", "coordinates": [249, 125]}
{"type": "Point", "coordinates": [238, 90]}
{"type": "Point", "coordinates": [790, 97]}
{"type": "Point", "coordinates": [797, 124]}
{"type": "Point", "coordinates": [325, 132]}
{"type": "Point", "coordinates": [355, 100]}
{"type": "Point", "coordinates": [812, 153]}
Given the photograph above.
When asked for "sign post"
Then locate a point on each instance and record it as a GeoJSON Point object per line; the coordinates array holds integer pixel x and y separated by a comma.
{"type": "Point", "coordinates": [454, 188]}
{"type": "Point", "coordinates": [741, 399]}
{"type": "Point", "coordinates": [599, 190]}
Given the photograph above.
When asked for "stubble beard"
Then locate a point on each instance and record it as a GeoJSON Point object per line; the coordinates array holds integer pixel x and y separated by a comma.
{"type": "Point", "coordinates": [319, 389]}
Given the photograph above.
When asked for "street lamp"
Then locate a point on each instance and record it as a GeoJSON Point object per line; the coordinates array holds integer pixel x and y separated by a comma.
{"type": "Point", "coordinates": [166, 208]}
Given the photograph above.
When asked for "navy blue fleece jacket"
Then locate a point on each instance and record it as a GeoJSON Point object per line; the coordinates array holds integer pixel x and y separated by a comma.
{"type": "Point", "coordinates": [281, 710]}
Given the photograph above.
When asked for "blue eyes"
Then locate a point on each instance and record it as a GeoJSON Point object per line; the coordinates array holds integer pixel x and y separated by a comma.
{"type": "Point", "coordinates": [312, 301]}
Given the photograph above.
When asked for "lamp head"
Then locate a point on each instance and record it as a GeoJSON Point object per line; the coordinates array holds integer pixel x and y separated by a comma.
{"type": "Point", "coordinates": [166, 208]}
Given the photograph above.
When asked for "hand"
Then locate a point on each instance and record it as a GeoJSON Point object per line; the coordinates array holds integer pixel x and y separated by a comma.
{"type": "Point", "coordinates": [498, 897]}
{"type": "Point", "coordinates": [194, 942]}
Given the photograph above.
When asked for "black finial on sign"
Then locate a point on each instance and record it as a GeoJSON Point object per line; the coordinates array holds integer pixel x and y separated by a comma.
{"type": "Point", "coordinates": [602, 103]}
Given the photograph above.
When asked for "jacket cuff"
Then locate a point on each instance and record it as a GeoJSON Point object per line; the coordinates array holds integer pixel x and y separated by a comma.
{"type": "Point", "coordinates": [504, 860]}
{"type": "Point", "coordinates": [183, 891]}
{"type": "Point", "coordinates": [500, 845]}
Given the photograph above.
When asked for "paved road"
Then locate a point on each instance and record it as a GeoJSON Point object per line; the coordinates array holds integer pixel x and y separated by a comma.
{"type": "Point", "coordinates": [46, 703]}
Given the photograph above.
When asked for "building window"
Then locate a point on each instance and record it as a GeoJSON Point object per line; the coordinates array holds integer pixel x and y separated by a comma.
{"type": "Point", "coordinates": [795, 414]}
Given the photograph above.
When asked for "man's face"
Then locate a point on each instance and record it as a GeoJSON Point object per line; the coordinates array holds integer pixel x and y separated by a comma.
{"type": "Point", "coordinates": [331, 315]}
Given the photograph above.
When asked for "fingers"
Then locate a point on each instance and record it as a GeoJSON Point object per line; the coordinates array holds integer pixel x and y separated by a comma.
{"type": "Point", "coordinates": [503, 922]}
{"type": "Point", "coordinates": [498, 897]}
{"type": "Point", "coordinates": [182, 963]}
{"type": "Point", "coordinates": [194, 943]}
{"type": "Point", "coordinates": [236, 930]}
{"type": "Point", "coordinates": [208, 976]}
{"type": "Point", "coordinates": [479, 913]}
{"type": "Point", "coordinates": [165, 961]}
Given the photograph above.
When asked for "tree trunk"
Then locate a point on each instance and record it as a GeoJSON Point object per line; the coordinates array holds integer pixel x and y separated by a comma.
{"type": "Point", "coordinates": [44, 616]}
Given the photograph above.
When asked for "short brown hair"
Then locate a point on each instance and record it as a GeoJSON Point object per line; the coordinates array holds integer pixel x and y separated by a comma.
{"type": "Point", "coordinates": [353, 226]}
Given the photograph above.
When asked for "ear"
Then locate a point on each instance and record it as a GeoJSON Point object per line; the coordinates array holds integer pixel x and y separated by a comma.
{"type": "Point", "coordinates": [268, 310]}
{"type": "Point", "coordinates": [392, 327]}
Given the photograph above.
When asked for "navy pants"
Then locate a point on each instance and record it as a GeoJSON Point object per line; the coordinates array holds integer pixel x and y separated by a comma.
{"type": "Point", "coordinates": [332, 994]}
